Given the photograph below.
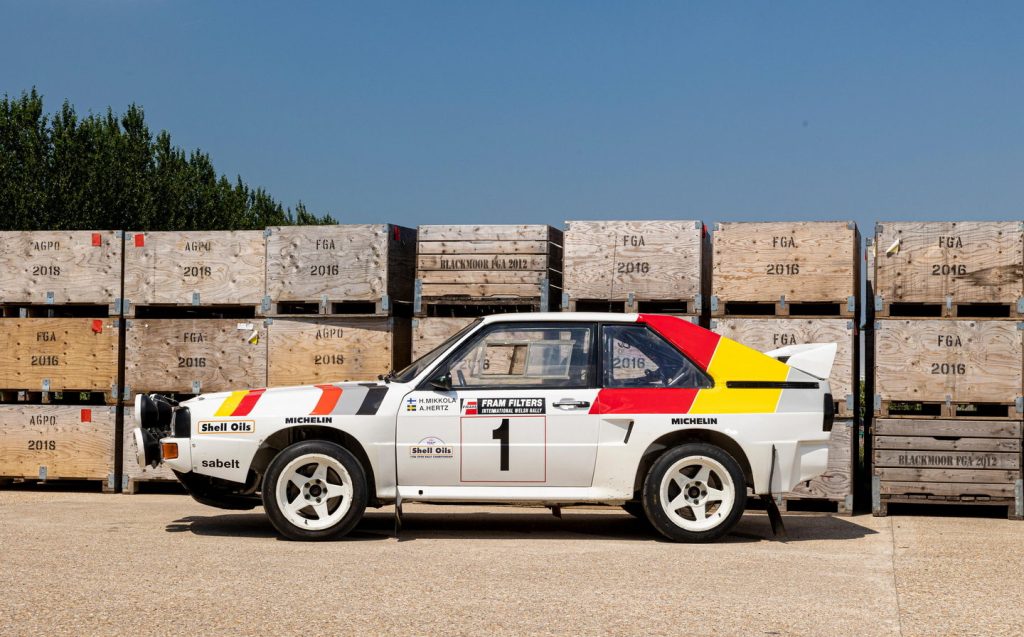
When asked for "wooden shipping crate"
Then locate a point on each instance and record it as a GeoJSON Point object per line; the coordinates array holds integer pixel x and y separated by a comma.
{"type": "Point", "coordinates": [965, 269]}
{"type": "Point", "coordinates": [836, 484]}
{"type": "Point", "coordinates": [948, 368]}
{"type": "Point", "coordinates": [195, 268]}
{"type": "Point", "coordinates": [429, 332]}
{"type": "Point", "coordinates": [636, 262]}
{"type": "Point", "coordinates": [193, 356]}
{"type": "Point", "coordinates": [341, 269]}
{"type": "Point", "coordinates": [945, 460]}
{"type": "Point", "coordinates": [765, 334]}
{"type": "Point", "coordinates": [807, 268]}
{"type": "Point", "coordinates": [322, 350]}
{"type": "Point", "coordinates": [46, 442]}
{"type": "Point", "coordinates": [60, 267]}
{"type": "Point", "coordinates": [58, 354]}
{"type": "Point", "coordinates": [131, 475]}
{"type": "Point", "coordinates": [488, 265]}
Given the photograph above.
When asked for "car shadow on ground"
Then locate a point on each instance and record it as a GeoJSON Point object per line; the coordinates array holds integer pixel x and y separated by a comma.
{"type": "Point", "coordinates": [492, 525]}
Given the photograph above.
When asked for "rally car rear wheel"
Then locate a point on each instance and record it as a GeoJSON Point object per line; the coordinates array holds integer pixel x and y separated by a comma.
{"type": "Point", "coordinates": [314, 490]}
{"type": "Point", "coordinates": [695, 493]}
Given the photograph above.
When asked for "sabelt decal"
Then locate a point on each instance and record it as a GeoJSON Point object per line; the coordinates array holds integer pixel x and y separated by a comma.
{"type": "Point", "coordinates": [217, 463]}
{"type": "Point", "coordinates": [227, 427]}
{"type": "Point", "coordinates": [508, 406]}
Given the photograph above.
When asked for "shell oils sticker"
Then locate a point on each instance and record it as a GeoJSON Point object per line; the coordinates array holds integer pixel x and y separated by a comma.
{"type": "Point", "coordinates": [227, 427]}
{"type": "Point", "coordinates": [431, 447]}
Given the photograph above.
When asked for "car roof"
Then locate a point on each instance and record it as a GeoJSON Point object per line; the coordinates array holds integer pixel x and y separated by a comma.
{"type": "Point", "coordinates": [561, 317]}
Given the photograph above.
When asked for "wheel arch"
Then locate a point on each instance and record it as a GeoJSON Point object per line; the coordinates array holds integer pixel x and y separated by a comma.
{"type": "Point", "coordinates": [284, 438]}
{"type": "Point", "coordinates": [660, 445]}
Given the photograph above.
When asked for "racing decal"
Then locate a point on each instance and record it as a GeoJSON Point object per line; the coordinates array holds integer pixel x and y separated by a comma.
{"type": "Point", "coordinates": [431, 447]}
{"type": "Point", "coordinates": [508, 406]}
{"type": "Point", "coordinates": [362, 399]}
{"type": "Point", "coordinates": [374, 397]}
{"type": "Point", "coordinates": [217, 463]}
{"type": "Point", "coordinates": [430, 404]}
{"type": "Point", "coordinates": [330, 394]}
{"type": "Point", "coordinates": [227, 427]}
{"type": "Point", "coordinates": [239, 403]}
{"type": "Point", "coordinates": [653, 400]}
{"type": "Point", "coordinates": [468, 408]}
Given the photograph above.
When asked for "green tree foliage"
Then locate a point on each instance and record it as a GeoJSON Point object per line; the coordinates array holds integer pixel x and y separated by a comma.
{"type": "Point", "coordinates": [65, 172]}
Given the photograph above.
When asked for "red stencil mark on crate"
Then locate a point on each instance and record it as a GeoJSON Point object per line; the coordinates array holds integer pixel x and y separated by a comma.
{"type": "Point", "coordinates": [140, 240]}
{"type": "Point", "coordinates": [97, 326]}
{"type": "Point", "coordinates": [86, 415]}
{"type": "Point", "coordinates": [97, 239]}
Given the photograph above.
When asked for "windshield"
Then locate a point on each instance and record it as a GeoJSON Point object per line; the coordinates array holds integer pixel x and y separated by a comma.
{"type": "Point", "coordinates": [423, 362]}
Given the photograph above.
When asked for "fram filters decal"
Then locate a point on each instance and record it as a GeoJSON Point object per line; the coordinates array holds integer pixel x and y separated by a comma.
{"type": "Point", "coordinates": [508, 406]}
{"type": "Point", "coordinates": [227, 427]}
{"type": "Point", "coordinates": [431, 447]}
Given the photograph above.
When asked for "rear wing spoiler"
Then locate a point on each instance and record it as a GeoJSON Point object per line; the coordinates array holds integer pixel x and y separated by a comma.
{"type": "Point", "coordinates": [815, 359]}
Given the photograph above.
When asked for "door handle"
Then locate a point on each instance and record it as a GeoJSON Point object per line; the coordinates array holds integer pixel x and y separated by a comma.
{"type": "Point", "coordinates": [569, 403]}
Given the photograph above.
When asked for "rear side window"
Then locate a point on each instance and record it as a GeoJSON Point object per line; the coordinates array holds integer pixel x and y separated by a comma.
{"type": "Point", "coordinates": [635, 356]}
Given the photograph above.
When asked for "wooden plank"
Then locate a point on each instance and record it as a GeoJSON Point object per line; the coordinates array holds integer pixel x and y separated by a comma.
{"type": "Point", "coordinates": [968, 261]}
{"type": "Point", "coordinates": [471, 232]}
{"type": "Point", "coordinates": [222, 267]}
{"type": "Point", "coordinates": [652, 260]}
{"type": "Point", "coordinates": [308, 351]}
{"type": "Point", "coordinates": [836, 483]}
{"type": "Point", "coordinates": [497, 262]}
{"type": "Point", "coordinates": [429, 332]}
{"type": "Point", "coordinates": [467, 248]}
{"type": "Point", "coordinates": [965, 428]}
{"type": "Point", "coordinates": [1004, 490]}
{"type": "Point", "coordinates": [69, 441]}
{"type": "Point", "coordinates": [482, 290]}
{"type": "Point", "coordinates": [171, 354]}
{"type": "Point", "coordinates": [69, 353]}
{"type": "Point", "coordinates": [928, 360]}
{"type": "Point", "coordinates": [946, 459]}
{"type": "Point", "coordinates": [805, 262]}
{"type": "Point", "coordinates": [431, 278]}
{"type": "Point", "coordinates": [927, 443]}
{"type": "Point", "coordinates": [60, 267]}
{"type": "Point", "coordinates": [892, 474]}
{"type": "Point", "coordinates": [354, 262]}
{"type": "Point", "coordinates": [771, 333]}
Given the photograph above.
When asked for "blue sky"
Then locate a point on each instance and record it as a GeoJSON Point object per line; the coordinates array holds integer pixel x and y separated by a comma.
{"type": "Point", "coordinates": [537, 112]}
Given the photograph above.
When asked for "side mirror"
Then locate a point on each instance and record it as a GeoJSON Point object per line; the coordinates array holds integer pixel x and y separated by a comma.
{"type": "Point", "coordinates": [442, 382]}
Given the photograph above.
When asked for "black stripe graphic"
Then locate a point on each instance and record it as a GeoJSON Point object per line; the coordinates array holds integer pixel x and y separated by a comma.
{"type": "Point", "coordinates": [771, 384]}
{"type": "Point", "coordinates": [371, 402]}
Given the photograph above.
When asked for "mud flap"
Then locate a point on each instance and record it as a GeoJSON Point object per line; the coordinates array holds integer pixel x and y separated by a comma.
{"type": "Point", "coordinates": [398, 514]}
{"type": "Point", "coordinates": [770, 506]}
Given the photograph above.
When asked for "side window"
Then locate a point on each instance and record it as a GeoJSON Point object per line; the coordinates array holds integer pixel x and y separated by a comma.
{"type": "Point", "coordinates": [634, 356]}
{"type": "Point", "coordinates": [526, 356]}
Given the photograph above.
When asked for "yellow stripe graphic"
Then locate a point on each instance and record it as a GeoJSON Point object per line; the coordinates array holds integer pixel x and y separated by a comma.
{"type": "Point", "coordinates": [733, 361]}
{"type": "Point", "coordinates": [230, 404]}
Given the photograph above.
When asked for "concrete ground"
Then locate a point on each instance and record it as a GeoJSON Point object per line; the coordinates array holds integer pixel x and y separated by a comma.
{"type": "Point", "coordinates": [94, 564]}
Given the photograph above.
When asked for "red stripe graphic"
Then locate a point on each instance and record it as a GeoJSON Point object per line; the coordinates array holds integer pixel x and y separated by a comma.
{"type": "Point", "coordinates": [662, 400]}
{"type": "Point", "coordinates": [328, 400]}
{"type": "Point", "coordinates": [695, 341]}
{"type": "Point", "coordinates": [248, 402]}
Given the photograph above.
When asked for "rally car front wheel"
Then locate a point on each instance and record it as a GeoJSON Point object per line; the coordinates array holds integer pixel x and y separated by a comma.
{"type": "Point", "coordinates": [694, 493]}
{"type": "Point", "coordinates": [314, 490]}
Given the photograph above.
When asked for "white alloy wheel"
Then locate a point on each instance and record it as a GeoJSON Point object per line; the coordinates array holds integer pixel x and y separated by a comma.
{"type": "Point", "coordinates": [314, 491]}
{"type": "Point", "coordinates": [697, 493]}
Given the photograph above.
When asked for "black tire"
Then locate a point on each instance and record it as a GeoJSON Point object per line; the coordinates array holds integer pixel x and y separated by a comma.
{"type": "Point", "coordinates": [356, 506]}
{"type": "Point", "coordinates": [636, 509]}
{"type": "Point", "coordinates": [722, 523]}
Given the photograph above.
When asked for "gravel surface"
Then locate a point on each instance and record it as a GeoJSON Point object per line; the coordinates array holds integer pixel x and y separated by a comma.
{"type": "Point", "coordinates": [95, 564]}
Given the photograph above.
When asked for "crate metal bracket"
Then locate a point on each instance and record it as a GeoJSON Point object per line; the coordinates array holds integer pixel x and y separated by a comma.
{"type": "Point", "coordinates": [714, 302]}
{"type": "Point", "coordinates": [879, 229]}
{"type": "Point", "coordinates": [265, 304]}
{"type": "Point", "coordinates": [1020, 305]}
{"type": "Point", "coordinates": [879, 303]}
{"type": "Point", "coordinates": [50, 300]}
{"type": "Point", "coordinates": [22, 312]}
{"type": "Point", "coordinates": [544, 292]}
{"type": "Point", "coordinates": [698, 224]}
{"type": "Point", "coordinates": [851, 225]}
{"type": "Point", "coordinates": [197, 387]}
{"type": "Point", "coordinates": [713, 324]}
{"type": "Point", "coordinates": [849, 325]}
{"type": "Point", "coordinates": [195, 298]}
{"type": "Point", "coordinates": [1018, 403]}
{"type": "Point", "coordinates": [267, 322]}
{"type": "Point", "coordinates": [42, 473]}
{"type": "Point", "coordinates": [876, 493]}
{"type": "Point", "coordinates": [849, 403]}
{"type": "Point", "coordinates": [267, 232]}
{"type": "Point", "coordinates": [782, 302]}
{"type": "Point", "coordinates": [717, 226]}
{"type": "Point", "coordinates": [110, 481]}
{"type": "Point", "coordinates": [949, 303]}
{"type": "Point", "coordinates": [46, 384]}
{"type": "Point", "coordinates": [323, 304]}
{"type": "Point", "coordinates": [417, 298]}
{"type": "Point", "coordinates": [631, 302]}
{"type": "Point", "coordinates": [385, 303]}
{"type": "Point", "coordinates": [848, 502]}
{"type": "Point", "coordinates": [124, 483]}
{"type": "Point", "coordinates": [878, 402]}
{"type": "Point", "coordinates": [698, 303]}
{"type": "Point", "coordinates": [851, 304]}
{"type": "Point", "coordinates": [565, 301]}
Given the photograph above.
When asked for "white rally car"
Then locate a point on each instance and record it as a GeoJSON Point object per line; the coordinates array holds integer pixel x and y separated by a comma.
{"type": "Point", "coordinates": [667, 419]}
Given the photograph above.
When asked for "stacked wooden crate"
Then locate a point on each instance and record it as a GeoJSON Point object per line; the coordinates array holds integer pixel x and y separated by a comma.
{"type": "Point", "coordinates": [339, 301]}
{"type": "Point", "coordinates": [636, 266]}
{"type": "Point", "coordinates": [463, 272]}
{"type": "Point", "coordinates": [789, 283]}
{"type": "Point", "coordinates": [948, 364]}
{"type": "Point", "coordinates": [58, 354]}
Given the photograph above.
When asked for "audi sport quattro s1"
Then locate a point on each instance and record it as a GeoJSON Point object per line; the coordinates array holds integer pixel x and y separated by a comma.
{"type": "Point", "coordinates": [653, 413]}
